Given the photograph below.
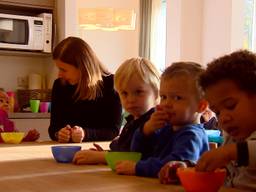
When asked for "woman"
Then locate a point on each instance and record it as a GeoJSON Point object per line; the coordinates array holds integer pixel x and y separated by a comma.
{"type": "Point", "coordinates": [85, 106]}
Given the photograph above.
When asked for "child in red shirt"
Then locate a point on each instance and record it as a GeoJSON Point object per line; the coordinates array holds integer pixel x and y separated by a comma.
{"type": "Point", "coordinates": [7, 125]}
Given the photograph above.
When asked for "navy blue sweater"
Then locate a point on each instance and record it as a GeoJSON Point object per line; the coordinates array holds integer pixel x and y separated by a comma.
{"type": "Point", "coordinates": [123, 141]}
{"type": "Point", "coordinates": [100, 118]}
{"type": "Point", "coordinates": [188, 143]}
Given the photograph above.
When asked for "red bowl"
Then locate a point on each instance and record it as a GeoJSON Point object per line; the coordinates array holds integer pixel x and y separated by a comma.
{"type": "Point", "coordinates": [194, 181]}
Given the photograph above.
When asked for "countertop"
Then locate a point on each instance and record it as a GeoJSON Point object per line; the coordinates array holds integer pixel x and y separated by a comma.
{"type": "Point", "coordinates": [29, 115]}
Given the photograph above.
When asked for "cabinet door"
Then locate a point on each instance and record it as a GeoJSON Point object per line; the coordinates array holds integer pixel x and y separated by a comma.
{"type": "Point", "coordinates": [30, 3]}
{"type": "Point", "coordinates": [40, 124]}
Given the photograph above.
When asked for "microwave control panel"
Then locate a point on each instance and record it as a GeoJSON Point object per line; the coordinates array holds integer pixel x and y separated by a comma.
{"type": "Point", "coordinates": [38, 34]}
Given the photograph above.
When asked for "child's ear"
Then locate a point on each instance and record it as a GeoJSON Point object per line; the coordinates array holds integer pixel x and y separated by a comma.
{"type": "Point", "coordinates": [202, 105]}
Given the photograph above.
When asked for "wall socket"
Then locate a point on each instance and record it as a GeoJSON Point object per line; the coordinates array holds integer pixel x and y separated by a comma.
{"type": "Point", "coordinates": [22, 82]}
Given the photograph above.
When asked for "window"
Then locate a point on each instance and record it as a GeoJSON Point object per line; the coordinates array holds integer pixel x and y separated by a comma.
{"type": "Point", "coordinates": [249, 26]}
{"type": "Point", "coordinates": [158, 34]}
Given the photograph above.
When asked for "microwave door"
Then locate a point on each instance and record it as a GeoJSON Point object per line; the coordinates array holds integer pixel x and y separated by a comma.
{"type": "Point", "coordinates": [14, 33]}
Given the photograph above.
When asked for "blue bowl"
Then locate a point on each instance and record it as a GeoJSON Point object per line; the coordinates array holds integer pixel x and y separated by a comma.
{"type": "Point", "coordinates": [213, 133]}
{"type": "Point", "coordinates": [64, 154]}
{"type": "Point", "coordinates": [214, 136]}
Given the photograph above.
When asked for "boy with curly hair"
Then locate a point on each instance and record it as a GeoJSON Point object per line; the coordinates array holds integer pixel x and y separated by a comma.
{"type": "Point", "coordinates": [230, 87]}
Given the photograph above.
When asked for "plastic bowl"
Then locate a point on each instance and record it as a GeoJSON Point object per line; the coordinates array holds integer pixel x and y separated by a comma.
{"type": "Point", "coordinates": [194, 181]}
{"type": "Point", "coordinates": [213, 133]}
{"type": "Point", "coordinates": [214, 136]}
{"type": "Point", "coordinates": [113, 157]}
{"type": "Point", "coordinates": [64, 154]}
{"type": "Point", "coordinates": [12, 137]}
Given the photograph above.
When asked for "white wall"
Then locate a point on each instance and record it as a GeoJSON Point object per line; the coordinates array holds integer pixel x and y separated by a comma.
{"type": "Point", "coordinates": [19, 66]}
{"type": "Point", "coordinates": [201, 30]}
{"type": "Point", "coordinates": [184, 30]}
{"type": "Point", "coordinates": [112, 48]}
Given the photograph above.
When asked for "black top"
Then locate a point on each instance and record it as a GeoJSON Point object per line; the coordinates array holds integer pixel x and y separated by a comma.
{"type": "Point", "coordinates": [100, 118]}
{"type": "Point", "coordinates": [123, 141]}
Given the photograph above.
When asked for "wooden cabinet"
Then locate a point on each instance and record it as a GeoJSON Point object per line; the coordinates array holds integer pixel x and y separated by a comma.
{"type": "Point", "coordinates": [26, 121]}
{"type": "Point", "coordinates": [42, 4]}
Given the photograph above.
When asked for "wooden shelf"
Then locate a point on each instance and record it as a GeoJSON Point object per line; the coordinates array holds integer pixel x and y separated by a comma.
{"type": "Point", "coordinates": [29, 115]}
{"type": "Point", "coordinates": [26, 5]}
{"type": "Point", "coordinates": [24, 53]}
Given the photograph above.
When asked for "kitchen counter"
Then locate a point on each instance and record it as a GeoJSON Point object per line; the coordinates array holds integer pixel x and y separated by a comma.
{"type": "Point", "coordinates": [29, 115]}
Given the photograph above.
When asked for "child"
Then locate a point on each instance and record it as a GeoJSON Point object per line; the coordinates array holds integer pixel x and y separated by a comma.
{"type": "Point", "coordinates": [174, 131]}
{"type": "Point", "coordinates": [8, 125]}
{"type": "Point", "coordinates": [137, 83]}
{"type": "Point", "coordinates": [230, 86]}
{"type": "Point", "coordinates": [209, 119]}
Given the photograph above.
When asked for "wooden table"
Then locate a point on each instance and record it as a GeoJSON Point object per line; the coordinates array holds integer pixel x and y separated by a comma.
{"type": "Point", "coordinates": [30, 167]}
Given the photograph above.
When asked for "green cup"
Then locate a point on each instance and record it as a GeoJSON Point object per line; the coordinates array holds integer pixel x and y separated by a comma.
{"type": "Point", "coordinates": [34, 105]}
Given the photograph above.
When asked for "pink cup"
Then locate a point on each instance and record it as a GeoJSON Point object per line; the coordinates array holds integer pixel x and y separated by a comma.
{"type": "Point", "coordinates": [44, 107]}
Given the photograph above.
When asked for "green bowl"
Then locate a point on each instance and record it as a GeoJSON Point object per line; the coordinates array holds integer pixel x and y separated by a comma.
{"type": "Point", "coordinates": [113, 157]}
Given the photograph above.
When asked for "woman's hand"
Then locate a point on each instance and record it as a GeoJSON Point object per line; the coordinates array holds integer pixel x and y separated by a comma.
{"type": "Point", "coordinates": [32, 135]}
{"type": "Point", "coordinates": [89, 157]}
{"type": "Point", "coordinates": [217, 158]}
{"type": "Point", "coordinates": [125, 167]}
{"type": "Point", "coordinates": [77, 134]}
{"type": "Point", "coordinates": [64, 134]}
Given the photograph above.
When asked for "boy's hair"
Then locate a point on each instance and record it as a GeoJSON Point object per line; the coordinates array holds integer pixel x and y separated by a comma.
{"type": "Point", "coordinates": [137, 66]}
{"type": "Point", "coordinates": [190, 69]}
{"type": "Point", "coordinates": [239, 66]}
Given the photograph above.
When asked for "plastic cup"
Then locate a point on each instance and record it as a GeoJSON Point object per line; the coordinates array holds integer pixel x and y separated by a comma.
{"type": "Point", "coordinates": [34, 105]}
{"type": "Point", "coordinates": [44, 107]}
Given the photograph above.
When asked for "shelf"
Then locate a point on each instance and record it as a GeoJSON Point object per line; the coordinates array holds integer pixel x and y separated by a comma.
{"type": "Point", "coordinates": [29, 115]}
{"type": "Point", "coordinates": [24, 53]}
{"type": "Point", "coordinates": [28, 5]}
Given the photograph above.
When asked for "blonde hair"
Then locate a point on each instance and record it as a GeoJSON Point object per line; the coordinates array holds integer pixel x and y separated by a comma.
{"type": "Point", "coordinates": [141, 67]}
{"type": "Point", "coordinates": [78, 53]}
{"type": "Point", "coordinates": [191, 69]}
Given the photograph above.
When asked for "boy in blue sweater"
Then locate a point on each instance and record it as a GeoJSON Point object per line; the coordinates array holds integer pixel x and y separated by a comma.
{"type": "Point", "coordinates": [173, 132]}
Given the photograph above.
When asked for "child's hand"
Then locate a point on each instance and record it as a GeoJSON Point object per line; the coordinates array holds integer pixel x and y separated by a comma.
{"type": "Point", "coordinates": [125, 167]}
{"type": "Point", "coordinates": [97, 147]}
{"type": "Point", "coordinates": [217, 158]}
{"type": "Point", "coordinates": [64, 134]}
{"type": "Point", "coordinates": [32, 135]}
{"type": "Point", "coordinates": [168, 173]}
{"type": "Point", "coordinates": [89, 157]}
{"type": "Point", "coordinates": [157, 120]}
{"type": "Point", "coordinates": [77, 134]}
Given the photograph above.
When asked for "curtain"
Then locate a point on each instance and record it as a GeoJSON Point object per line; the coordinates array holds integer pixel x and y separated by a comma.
{"type": "Point", "coordinates": [145, 28]}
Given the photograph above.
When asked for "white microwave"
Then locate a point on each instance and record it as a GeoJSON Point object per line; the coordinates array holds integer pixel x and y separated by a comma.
{"type": "Point", "coordinates": [19, 32]}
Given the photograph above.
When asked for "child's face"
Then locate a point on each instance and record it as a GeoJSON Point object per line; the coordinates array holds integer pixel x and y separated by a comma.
{"type": "Point", "coordinates": [137, 97]}
{"type": "Point", "coordinates": [178, 99]}
{"type": "Point", "coordinates": [234, 108]}
{"type": "Point", "coordinates": [4, 102]}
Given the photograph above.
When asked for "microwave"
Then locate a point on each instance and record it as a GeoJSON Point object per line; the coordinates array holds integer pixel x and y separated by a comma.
{"type": "Point", "coordinates": [29, 33]}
